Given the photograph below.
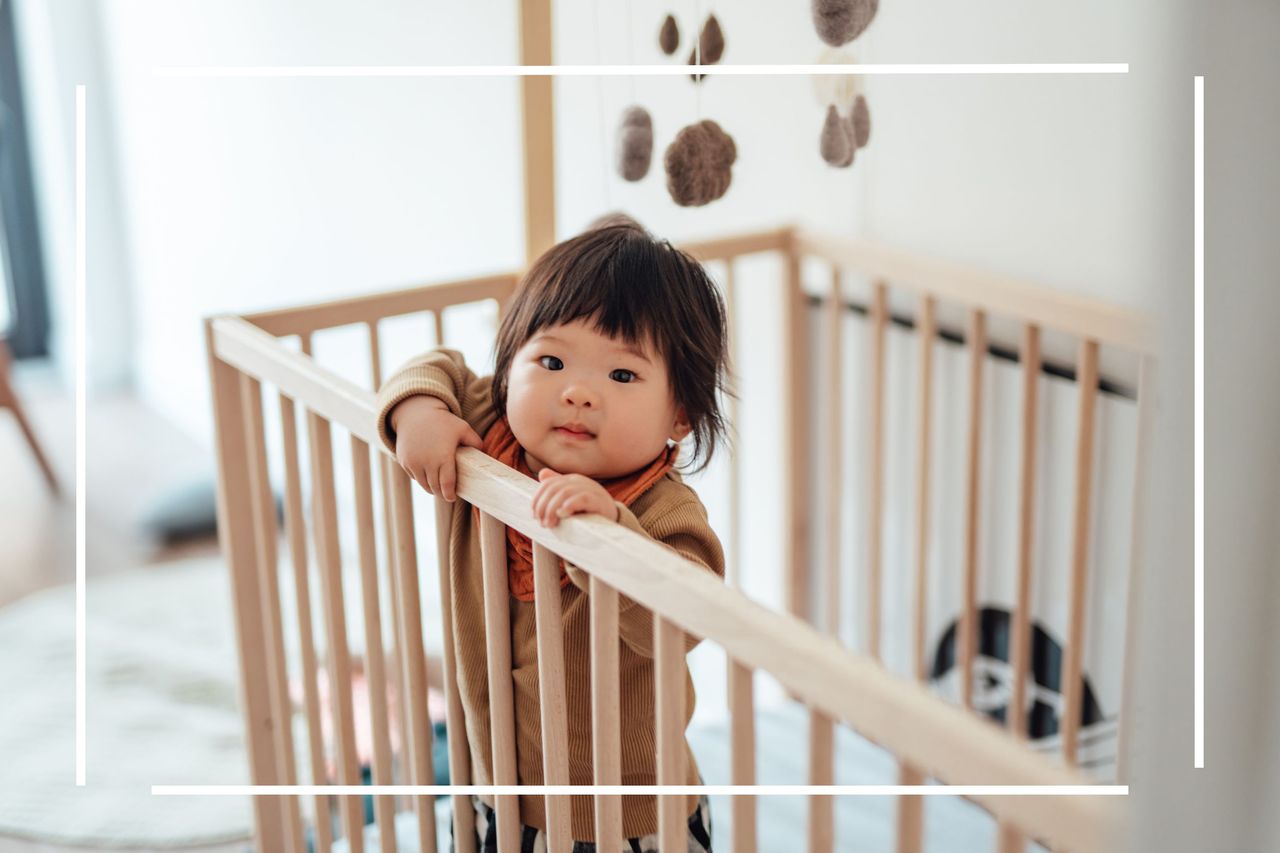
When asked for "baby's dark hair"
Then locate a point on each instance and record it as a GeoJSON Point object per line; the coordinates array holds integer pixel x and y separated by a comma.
{"type": "Point", "coordinates": [642, 290]}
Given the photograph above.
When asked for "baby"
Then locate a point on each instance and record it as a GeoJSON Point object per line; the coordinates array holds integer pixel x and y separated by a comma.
{"type": "Point", "coordinates": [612, 353]}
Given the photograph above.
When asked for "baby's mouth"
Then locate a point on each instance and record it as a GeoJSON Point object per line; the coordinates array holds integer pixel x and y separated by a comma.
{"type": "Point", "coordinates": [574, 432]}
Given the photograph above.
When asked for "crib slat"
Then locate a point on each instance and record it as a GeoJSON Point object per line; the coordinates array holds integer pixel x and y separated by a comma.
{"type": "Point", "coordinates": [1133, 597]}
{"type": "Point", "coordinates": [1011, 840]}
{"type": "Point", "coordinates": [437, 317]}
{"type": "Point", "coordinates": [741, 698]}
{"type": "Point", "coordinates": [328, 557]}
{"type": "Point", "coordinates": [835, 467]}
{"type": "Point", "coordinates": [926, 333]}
{"type": "Point", "coordinates": [821, 772]}
{"type": "Point", "coordinates": [733, 568]}
{"type": "Point", "coordinates": [606, 744]}
{"type": "Point", "coordinates": [911, 809]}
{"type": "Point", "coordinates": [879, 324]}
{"type": "Point", "coordinates": [551, 692]}
{"type": "Point", "coordinates": [464, 816]}
{"type": "Point", "coordinates": [796, 501]}
{"type": "Point", "coordinates": [296, 529]}
{"type": "Point", "coordinates": [497, 623]}
{"type": "Point", "coordinates": [1073, 655]}
{"type": "Point", "coordinates": [374, 661]}
{"type": "Point", "coordinates": [742, 758]}
{"type": "Point", "coordinates": [668, 658]}
{"type": "Point", "coordinates": [395, 658]}
{"type": "Point", "coordinates": [910, 812]}
{"type": "Point", "coordinates": [1021, 652]}
{"type": "Point", "coordinates": [266, 535]}
{"type": "Point", "coordinates": [977, 340]}
{"type": "Point", "coordinates": [414, 677]}
{"type": "Point", "coordinates": [393, 587]}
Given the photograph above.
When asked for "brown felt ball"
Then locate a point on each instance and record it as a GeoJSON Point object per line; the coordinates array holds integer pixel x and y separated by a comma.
{"type": "Point", "coordinates": [635, 143]}
{"type": "Point", "coordinates": [861, 118]}
{"type": "Point", "coordinates": [841, 21]}
{"type": "Point", "coordinates": [853, 141]}
{"type": "Point", "coordinates": [669, 36]}
{"type": "Point", "coordinates": [698, 164]}
{"type": "Point", "coordinates": [835, 144]}
{"type": "Point", "coordinates": [710, 46]}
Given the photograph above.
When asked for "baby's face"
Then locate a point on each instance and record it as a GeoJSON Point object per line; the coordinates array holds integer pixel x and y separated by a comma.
{"type": "Point", "coordinates": [581, 402]}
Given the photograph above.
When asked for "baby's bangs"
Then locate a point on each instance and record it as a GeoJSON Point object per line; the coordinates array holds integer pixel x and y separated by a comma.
{"type": "Point", "coordinates": [620, 292]}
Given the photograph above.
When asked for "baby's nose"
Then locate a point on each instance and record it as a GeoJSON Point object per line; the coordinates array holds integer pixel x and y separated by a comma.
{"type": "Point", "coordinates": [580, 395]}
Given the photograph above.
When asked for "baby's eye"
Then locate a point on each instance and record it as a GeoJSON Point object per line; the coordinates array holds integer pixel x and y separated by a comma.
{"type": "Point", "coordinates": [550, 362]}
{"type": "Point", "coordinates": [621, 375]}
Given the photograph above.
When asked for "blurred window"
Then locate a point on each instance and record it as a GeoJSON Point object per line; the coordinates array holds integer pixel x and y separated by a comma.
{"type": "Point", "coordinates": [24, 312]}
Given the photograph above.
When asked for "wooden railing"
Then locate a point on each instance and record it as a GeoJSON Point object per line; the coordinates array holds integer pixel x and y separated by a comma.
{"type": "Point", "coordinates": [928, 736]}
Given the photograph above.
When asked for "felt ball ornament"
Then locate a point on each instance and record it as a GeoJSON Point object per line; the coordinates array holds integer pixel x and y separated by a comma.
{"type": "Point", "coordinates": [699, 163]}
{"type": "Point", "coordinates": [841, 21]}
{"type": "Point", "coordinates": [710, 46]}
{"type": "Point", "coordinates": [860, 116]}
{"type": "Point", "coordinates": [669, 36]}
{"type": "Point", "coordinates": [853, 142]}
{"type": "Point", "coordinates": [635, 143]}
{"type": "Point", "coordinates": [836, 88]}
{"type": "Point", "coordinates": [836, 143]}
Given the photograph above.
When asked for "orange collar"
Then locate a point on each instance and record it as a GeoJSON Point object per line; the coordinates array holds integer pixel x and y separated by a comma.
{"type": "Point", "coordinates": [501, 444]}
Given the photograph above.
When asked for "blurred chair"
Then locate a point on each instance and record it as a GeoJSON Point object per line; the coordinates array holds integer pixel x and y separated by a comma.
{"type": "Point", "coordinates": [9, 399]}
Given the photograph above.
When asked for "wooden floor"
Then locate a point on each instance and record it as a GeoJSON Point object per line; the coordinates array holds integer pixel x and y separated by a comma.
{"type": "Point", "coordinates": [133, 458]}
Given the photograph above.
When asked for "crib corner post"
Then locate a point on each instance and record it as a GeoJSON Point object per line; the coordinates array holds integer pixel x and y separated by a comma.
{"type": "Point", "coordinates": [236, 537]}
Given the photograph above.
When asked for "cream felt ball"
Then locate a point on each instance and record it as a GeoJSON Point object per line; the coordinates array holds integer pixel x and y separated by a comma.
{"type": "Point", "coordinates": [841, 21]}
{"type": "Point", "coordinates": [699, 163]}
{"type": "Point", "coordinates": [836, 88]}
{"type": "Point", "coordinates": [635, 143]}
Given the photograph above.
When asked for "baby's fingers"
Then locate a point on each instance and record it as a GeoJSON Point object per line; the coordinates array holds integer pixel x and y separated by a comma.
{"type": "Point", "coordinates": [472, 439]}
{"type": "Point", "coordinates": [541, 498]}
{"type": "Point", "coordinates": [416, 473]}
{"type": "Point", "coordinates": [448, 478]}
{"type": "Point", "coordinates": [430, 482]}
{"type": "Point", "coordinates": [572, 504]}
{"type": "Point", "coordinates": [549, 505]}
{"type": "Point", "coordinates": [543, 495]}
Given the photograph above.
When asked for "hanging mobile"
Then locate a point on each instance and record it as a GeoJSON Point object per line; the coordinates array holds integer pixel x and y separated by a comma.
{"type": "Point", "coordinates": [699, 164]}
{"type": "Point", "coordinates": [635, 143]}
{"type": "Point", "coordinates": [710, 45]}
{"type": "Point", "coordinates": [841, 21]}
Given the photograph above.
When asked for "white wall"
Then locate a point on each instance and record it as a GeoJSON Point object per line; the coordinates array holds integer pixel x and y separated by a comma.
{"type": "Point", "coordinates": [1060, 180]}
{"type": "Point", "coordinates": [246, 194]}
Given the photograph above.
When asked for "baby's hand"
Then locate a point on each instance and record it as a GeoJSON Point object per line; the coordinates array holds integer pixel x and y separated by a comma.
{"type": "Point", "coordinates": [427, 438]}
{"type": "Point", "coordinates": [562, 495]}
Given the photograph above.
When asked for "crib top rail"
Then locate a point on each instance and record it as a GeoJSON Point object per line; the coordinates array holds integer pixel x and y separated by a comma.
{"type": "Point", "coordinates": [1085, 317]}
{"type": "Point", "coordinates": [901, 716]}
{"type": "Point", "coordinates": [370, 308]}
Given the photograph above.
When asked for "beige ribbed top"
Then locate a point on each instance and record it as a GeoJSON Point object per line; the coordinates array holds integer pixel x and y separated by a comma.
{"type": "Point", "coordinates": [669, 512]}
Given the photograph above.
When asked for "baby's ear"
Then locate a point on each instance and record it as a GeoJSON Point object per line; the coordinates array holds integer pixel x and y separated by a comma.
{"type": "Point", "coordinates": [681, 428]}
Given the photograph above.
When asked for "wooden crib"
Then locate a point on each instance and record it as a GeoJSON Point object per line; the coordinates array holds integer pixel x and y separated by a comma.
{"type": "Point", "coordinates": [929, 737]}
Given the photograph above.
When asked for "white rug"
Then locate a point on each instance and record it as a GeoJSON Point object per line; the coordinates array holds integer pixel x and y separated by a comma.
{"type": "Point", "coordinates": [161, 709]}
